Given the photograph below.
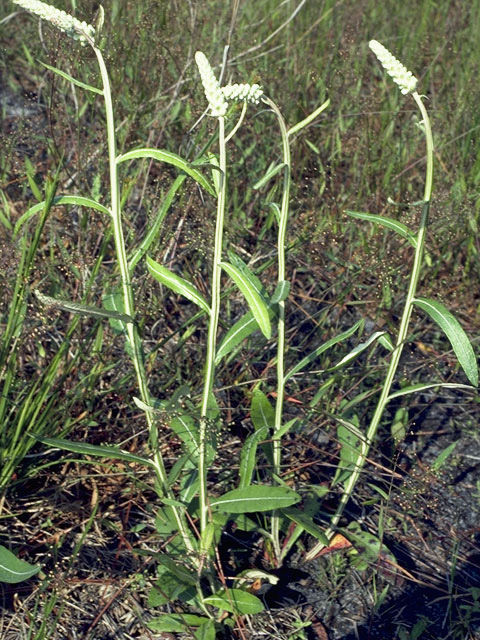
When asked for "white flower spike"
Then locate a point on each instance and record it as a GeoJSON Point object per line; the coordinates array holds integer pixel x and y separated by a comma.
{"type": "Point", "coordinates": [65, 22]}
{"type": "Point", "coordinates": [249, 92]}
{"type": "Point", "coordinates": [404, 78]}
{"type": "Point", "coordinates": [213, 93]}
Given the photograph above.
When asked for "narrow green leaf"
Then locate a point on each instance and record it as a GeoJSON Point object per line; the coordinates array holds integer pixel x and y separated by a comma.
{"type": "Point", "coordinates": [64, 75]}
{"type": "Point", "coordinates": [454, 332]}
{"type": "Point", "coordinates": [206, 631]}
{"type": "Point", "coordinates": [176, 283]}
{"type": "Point", "coordinates": [323, 347]}
{"type": "Point", "coordinates": [255, 498]}
{"type": "Point", "coordinates": [31, 179]}
{"type": "Point", "coordinates": [389, 223]}
{"type": "Point", "coordinates": [262, 412]}
{"type": "Point", "coordinates": [248, 455]}
{"type": "Point", "coordinates": [256, 303]}
{"type": "Point", "coordinates": [242, 266]}
{"type": "Point", "coordinates": [101, 451]}
{"type": "Point", "coordinates": [236, 334]}
{"type": "Point", "coordinates": [170, 158]}
{"type": "Point", "coordinates": [441, 459]}
{"type": "Point", "coordinates": [14, 570]}
{"type": "Point", "coordinates": [350, 442]}
{"type": "Point", "coordinates": [152, 234]}
{"type": "Point", "coordinates": [271, 172]}
{"type": "Point", "coordinates": [82, 309]}
{"type": "Point", "coordinates": [303, 123]}
{"type": "Point", "coordinates": [417, 388]}
{"type": "Point", "coordinates": [281, 292]}
{"type": "Point", "coordinates": [356, 351]}
{"type": "Point", "coordinates": [57, 201]}
{"type": "Point", "coordinates": [176, 622]}
{"type": "Point", "coordinates": [306, 523]}
{"type": "Point", "coordinates": [185, 428]}
{"type": "Point", "coordinates": [235, 601]}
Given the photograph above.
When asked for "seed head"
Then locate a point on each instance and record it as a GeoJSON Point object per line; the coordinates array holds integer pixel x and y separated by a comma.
{"type": "Point", "coordinates": [404, 78]}
{"type": "Point", "coordinates": [213, 93]}
{"type": "Point", "coordinates": [238, 92]}
{"type": "Point", "coordinates": [60, 19]}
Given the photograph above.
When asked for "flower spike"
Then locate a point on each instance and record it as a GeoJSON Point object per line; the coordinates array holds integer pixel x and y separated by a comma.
{"type": "Point", "coordinates": [213, 93]}
{"type": "Point", "coordinates": [65, 22]}
{"type": "Point", "coordinates": [404, 78]}
{"type": "Point", "coordinates": [249, 92]}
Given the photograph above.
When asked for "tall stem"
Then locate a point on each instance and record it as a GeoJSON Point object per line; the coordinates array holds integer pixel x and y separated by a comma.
{"type": "Point", "coordinates": [212, 326]}
{"type": "Point", "coordinates": [401, 338]}
{"type": "Point", "coordinates": [128, 302]}
{"type": "Point", "coordinates": [281, 239]}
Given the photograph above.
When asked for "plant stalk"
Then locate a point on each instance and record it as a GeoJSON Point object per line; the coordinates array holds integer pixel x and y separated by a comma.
{"type": "Point", "coordinates": [212, 326]}
{"type": "Point", "coordinates": [128, 301]}
{"type": "Point", "coordinates": [401, 338]}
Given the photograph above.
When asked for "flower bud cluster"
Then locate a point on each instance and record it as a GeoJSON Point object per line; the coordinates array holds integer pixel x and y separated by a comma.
{"type": "Point", "coordinates": [404, 78]}
{"type": "Point", "coordinates": [65, 22]}
{"type": "Point", "coordinates": [213, 93]}
{"type": "Point", "coordinates": [249, 92]}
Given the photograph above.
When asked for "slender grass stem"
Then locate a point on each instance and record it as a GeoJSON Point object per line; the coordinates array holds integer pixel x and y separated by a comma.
{"type": "Point", "coordinates": [128, 301]}
{"type": "Point", "coordinates": [281, 240]}
{"type": "Point", "coordinates": [212, 326]}
{"type": "Point", "coordinates": [401, 338]}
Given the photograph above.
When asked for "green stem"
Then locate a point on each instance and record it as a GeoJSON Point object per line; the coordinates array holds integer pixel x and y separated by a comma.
{"type": "Point", "coordinates": [282, 231]}
{"type": "Point", "coordinates": [128, 302]}
{"type": "Point", "coordinates": [401, 338]}
{"type": "Point", "coordinates": [212, 326]}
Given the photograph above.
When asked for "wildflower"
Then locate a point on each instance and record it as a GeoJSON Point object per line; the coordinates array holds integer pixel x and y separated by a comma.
{"type": "Point", "coordinates": [249, 92]}
{"type": "Point", "coordinates": [405, 79]}
{"type": "Point", "coordinates": [213, 93]}
{"type": "Point", "coordinates": [60, 19]}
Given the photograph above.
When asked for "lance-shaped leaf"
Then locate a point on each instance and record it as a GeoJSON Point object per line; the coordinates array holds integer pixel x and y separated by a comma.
{"type": "Point", "coordinates": [14, 570]}
{"type": "Point", "coordinates": [304, 362]}
{"type": "Point", "coordinates": [281, 292]}
{"type": "Point", "coordinates": [417, 388]}
{"type": "Point", "coordinates": [82, 309]}
{"type": "Point", "coordinates": [454, 332]}
{"type": "Point", "coordinates": [235, 601]}
{"type": "Point", "coordinates": [262, 412]}
{"type": "Point", "coordinates": [64, 75]}
{"type": "Point", "coordinates": [176, 283]}
{"type": "Point", "coordinates": [257, 304]}
{"type": "Point", "coordinates": [59, 200]}
{"type": "Point", "coordinates": [356, 351]}
{"type": "Point", "coordinates": [242, 266]}
{"type": "Point", "coordinates": [255, 498]}
{"type": "Point", "coordinates": [240, 330]}
{"type": "Point", "coordinates": [248, 455]}
{"type": "Point", "coordinates": [306, 522]}
{"type": "Point", "coordinates": [170, 158]}
{"type": "Point", "coordinates": [389, 223]}
{"type": "Point", "coordinates": [100, 451]}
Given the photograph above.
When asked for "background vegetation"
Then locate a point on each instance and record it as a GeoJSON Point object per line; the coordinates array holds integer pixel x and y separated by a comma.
{"type": "Point", "coordinates": [70, 376]}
